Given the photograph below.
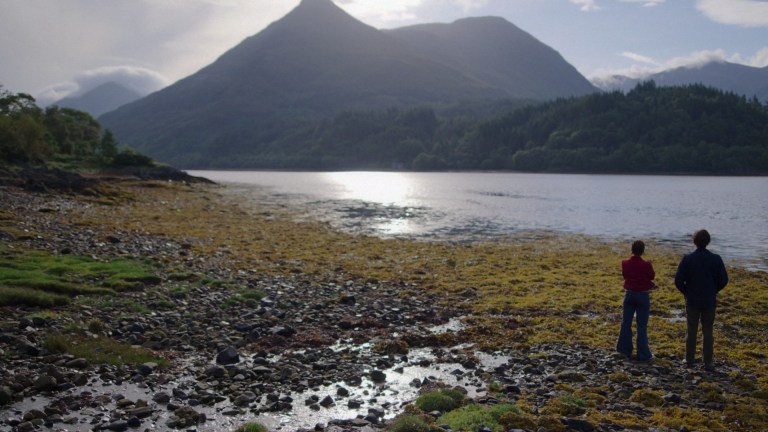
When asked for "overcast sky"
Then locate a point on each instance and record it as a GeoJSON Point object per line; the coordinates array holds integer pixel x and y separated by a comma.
{"type": "Point", "coordinates": [52, 48]}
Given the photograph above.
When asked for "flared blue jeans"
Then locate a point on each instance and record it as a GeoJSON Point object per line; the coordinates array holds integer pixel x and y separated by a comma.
{"type": "Point", "coordinates": [636, 305]}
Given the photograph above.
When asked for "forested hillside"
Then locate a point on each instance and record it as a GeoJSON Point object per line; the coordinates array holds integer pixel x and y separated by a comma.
{"type": "Point", "coordinates": [48, 149]}
{"type": "Point", "coordinates": [685, 129]}
{"type": "Point", "coordinates": [64, 136]}
{"type": "Point", "coordinates": [650, 129]}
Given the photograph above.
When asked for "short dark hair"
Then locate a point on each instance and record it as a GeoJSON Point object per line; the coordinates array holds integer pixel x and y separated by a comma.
{"type": "Point", "coordinates": [701, 238]}
{"type": "Point", "coordinates": [638, 247]}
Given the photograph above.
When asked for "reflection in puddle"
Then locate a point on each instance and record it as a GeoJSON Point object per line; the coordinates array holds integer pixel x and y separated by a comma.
{"type": "Point", "coordinates": [453, 325]}
{"type": "Point", "coordinates": [676, 316]}
{"type": "Point", "coordinates": [97, 403]}
{"type": "Point", "coordinates": [340, 401]}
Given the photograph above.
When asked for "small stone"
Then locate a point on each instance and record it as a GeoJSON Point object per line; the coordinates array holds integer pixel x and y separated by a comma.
{"type": "Point", "coordinates": [227, 356]}
{"type": "Point", "coordinates": [78, 363]}
{"type": "Point", "coordinates": [378, 376]}
{"type": "Point", "coordinates": [580, 425]}
{"type": "Point", "coordinates": [33, 414]}
{"type": "Point", "coordinates": [284, 331]}
{"type": "Point", "coordinates": [161, 398]}
{"type": "Point", "coordinates": [216, 372]}
{"type": "Point", "coordinates": [140, 412]}
{"type": "Point", "coordinates": [117, 426]}
{"type": "Point", "coordinates": [6, 395]}
{"type": "Point", "coordinates": [146, 368]}
{"type": "Point", "coordinates": [672, 398]}
{"type": "Point", "coordinates": [45, 383]}
{"type": "Point", "coordinates": [25, 427]}
{"type": "Point", "coordinates": [80, 380]}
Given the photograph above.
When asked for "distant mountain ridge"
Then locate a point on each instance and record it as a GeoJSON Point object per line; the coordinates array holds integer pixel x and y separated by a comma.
{"type": "Point", "coordinates": [101, 99]}
{"type": "Point", "coordinates": [317, 61]}
{"type": "Point", "coordinates": [736, 78]}
{"type": "Point", "coordinates": [494, 51]}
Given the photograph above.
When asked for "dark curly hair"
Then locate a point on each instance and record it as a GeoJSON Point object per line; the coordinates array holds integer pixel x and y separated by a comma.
{"type": "Point", "coordinates": [638, 247]}
{"type": "Point", "coordinates": [701, 238]}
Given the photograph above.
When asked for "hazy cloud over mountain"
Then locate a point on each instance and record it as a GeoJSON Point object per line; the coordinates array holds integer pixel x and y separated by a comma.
{"type": "Point", "coordinates": [52, 48]}
{"type": "Point", "coordinates": [142, 81]}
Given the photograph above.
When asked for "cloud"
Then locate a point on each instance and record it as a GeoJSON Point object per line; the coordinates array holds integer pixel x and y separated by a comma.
{"type": "Point", "coordinates": [140, 80]}
{"type": "Point", "coordinates": [591, 5]}
{"type": "Point", "coordinates": [744, 13]}
{"type": "Point", "coordinates": [646, 3]}
{"type": "Point", "coordinates": [56, 92]}
{"type": "Point", "coordinates": [700, 58]}
{"type": "Point", "coordinates": [379, 12]}
{"type": "Point", "coordinates": [468, 5]}
{"type": "Point", "coordinates": [586, 5]}
{"type": "Point", "coordinates": [693, 60]}
{"type": "Point", "coordinates": [760, 59]}
{"type": "Point", "coordinates": [639, 58]}
{"type": "Point", "coordinates": [44, 42]}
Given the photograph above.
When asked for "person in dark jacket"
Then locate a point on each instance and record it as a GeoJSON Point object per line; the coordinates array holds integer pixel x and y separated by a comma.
{"type": "Point", "coordinates": [700, 276]}
{"type": "Point", "coordinates": [638, 282]}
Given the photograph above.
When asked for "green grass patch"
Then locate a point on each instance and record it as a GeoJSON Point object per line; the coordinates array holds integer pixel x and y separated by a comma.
{"type": "Point", "coordinates": [566, 405]}
{"type": "Point", "coordinates": [14, 296]}
{"type": "Point", "coordinates": [40, 279]}
{"type": "Point", "coordinates": [440, 400]}
{"type": "Point", "coordinates": [99, 349]}
{"type": "Point", "coordinates": [648, 398]}
{"type": "Point", "coordinates": [471, 417]}
{"type": "Point", "coordinates": [252, 427]}
{"type": "Point", "coordinates": [186, 276]}
{"type": "Point", "coordinates": [246, 297]}
{"type": "Point", "coordinates": [409, 423]}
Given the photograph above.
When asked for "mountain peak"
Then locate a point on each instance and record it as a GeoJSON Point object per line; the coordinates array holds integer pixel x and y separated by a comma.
{"type": "Point", "coordinates": [101, 99]}
{"type": "Point", "coordinates": [313, 18]}
{"type": "Point", "coordinates": [316, 3]}
{"type": "Point", "coordinates": [318, 10]}
{"type": "Point", "coordinates": [317, 61]}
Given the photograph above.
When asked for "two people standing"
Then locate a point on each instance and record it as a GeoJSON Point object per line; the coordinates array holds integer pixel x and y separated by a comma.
{"type": "Point", "coordinates": [699, 277]}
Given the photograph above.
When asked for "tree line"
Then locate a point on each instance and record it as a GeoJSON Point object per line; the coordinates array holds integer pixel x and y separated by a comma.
{"type": "Point", "coordinates": [650, 129]}
{"type": "Point", "coordinates": [55, 135]}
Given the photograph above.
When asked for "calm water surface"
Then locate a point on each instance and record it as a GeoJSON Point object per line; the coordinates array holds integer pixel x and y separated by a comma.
{"type": "Point", "coordinates": [468, 206]}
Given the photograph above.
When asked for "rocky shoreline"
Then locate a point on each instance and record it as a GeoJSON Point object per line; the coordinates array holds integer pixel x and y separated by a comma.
{"type": "Point", "coordinates": [324, 352]}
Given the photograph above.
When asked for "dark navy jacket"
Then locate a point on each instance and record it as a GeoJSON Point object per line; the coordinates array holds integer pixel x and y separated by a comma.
{"type": "Point", "coordinates": [700, 276]}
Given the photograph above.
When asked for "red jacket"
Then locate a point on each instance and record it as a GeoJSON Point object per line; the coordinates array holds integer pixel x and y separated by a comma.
{"type": "Point", "coordinates": [638, 274]}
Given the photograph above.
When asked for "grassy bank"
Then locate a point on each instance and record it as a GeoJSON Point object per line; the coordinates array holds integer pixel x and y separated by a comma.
{"type": "Point", "coordinates": [39, 279]}
{"type": "Point", "coordinates": [515, 292]}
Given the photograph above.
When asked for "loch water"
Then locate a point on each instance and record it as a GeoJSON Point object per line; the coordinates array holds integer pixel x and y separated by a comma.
{"type": "Point", "coordinates": [466, 206]}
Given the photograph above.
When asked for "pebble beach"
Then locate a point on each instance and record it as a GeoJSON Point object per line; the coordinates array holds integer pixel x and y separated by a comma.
{"type": "Point", "coordinates": [259, 314]}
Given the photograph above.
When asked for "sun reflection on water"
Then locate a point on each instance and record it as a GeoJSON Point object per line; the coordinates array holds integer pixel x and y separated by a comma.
{"type": "Point", "coordinates": [388, 192]}
{"type": "Point", "coordinates": [386, 188]}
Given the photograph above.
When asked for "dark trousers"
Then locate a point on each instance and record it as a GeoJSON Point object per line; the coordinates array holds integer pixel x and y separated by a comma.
{"type": "Point", "coordinates": [707, 319]}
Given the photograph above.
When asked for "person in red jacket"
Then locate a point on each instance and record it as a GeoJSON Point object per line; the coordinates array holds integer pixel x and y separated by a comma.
{"type": "Point", "coordinates": [638, 282]}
